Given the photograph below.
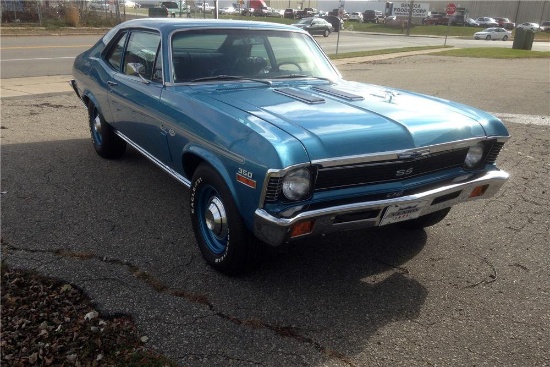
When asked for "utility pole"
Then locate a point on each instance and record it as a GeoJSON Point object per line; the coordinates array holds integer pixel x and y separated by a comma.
{"type": "Point", "coordinates": [410, 18]}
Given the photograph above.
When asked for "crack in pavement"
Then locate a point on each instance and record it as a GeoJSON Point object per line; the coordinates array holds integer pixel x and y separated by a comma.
{"type": "Point", "coordinates": [158, 286]}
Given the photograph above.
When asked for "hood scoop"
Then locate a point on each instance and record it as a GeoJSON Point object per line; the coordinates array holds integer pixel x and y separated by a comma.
{"type": "Point", "coordinates": [299, 95]}
{"type": "Point", "coordinates": [338, 93]}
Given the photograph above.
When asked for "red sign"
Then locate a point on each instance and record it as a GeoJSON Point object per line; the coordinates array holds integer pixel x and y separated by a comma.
{"type": "Point", "coordinates": [451, 8]}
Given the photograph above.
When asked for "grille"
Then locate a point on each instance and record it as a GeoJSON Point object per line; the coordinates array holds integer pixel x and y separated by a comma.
{"type": "Point", "coordinates": [273, 189]}
{"type": "Point", "coordinates": [380, 172]}
{"type": "Point", "coordinates": [493, 153]}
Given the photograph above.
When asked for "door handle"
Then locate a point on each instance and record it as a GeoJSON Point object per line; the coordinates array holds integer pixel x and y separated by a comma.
{"type": "Point", "coordinates": [111, 83]}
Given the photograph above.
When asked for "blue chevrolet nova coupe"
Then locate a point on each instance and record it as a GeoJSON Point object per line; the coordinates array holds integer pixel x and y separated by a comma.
{"type": "Point", "coordinates": [272, 142]}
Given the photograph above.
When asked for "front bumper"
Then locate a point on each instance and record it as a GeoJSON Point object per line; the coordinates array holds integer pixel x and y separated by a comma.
{"type": "Point", "coordinates": [275, 230]}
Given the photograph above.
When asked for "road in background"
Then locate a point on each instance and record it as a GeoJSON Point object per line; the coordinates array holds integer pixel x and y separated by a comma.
{"type": "Point", "coordinates": [30, 56]}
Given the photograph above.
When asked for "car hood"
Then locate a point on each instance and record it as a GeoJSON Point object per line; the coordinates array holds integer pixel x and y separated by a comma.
{"type": "Point", "coordinates": [349, 118]}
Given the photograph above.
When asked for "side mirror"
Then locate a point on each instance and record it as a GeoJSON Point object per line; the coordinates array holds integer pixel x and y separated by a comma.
{"type": "Point", "coordinates": [135, 68]}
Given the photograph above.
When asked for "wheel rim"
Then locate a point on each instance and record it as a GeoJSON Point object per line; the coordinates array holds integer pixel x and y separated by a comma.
{"type": "Point", "coordinates": [213, 220]}
{"type": "Point", "coordinates": [96, 128]}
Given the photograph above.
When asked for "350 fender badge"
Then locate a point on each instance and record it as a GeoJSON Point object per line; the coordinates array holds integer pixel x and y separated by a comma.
{"type": "Point", "coordinates": [246, 180]}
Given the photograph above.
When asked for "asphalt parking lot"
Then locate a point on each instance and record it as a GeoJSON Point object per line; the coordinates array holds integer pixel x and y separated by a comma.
{"type": "Point", "coordinates": [471, 291]}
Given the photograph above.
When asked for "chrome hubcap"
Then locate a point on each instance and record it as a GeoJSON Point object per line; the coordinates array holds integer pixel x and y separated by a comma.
{"type": "Point", "coordinates": [216, 219]}
{"type": "Point", "coordinates": [97, 125]}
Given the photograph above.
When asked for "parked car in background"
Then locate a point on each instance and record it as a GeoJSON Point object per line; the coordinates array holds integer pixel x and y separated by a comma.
{"type": "Point", "coordinates": [529, 26]}
{"type": "Point", "coordinates": [356, 16]}
{"type": "Point", "coordinates": [336, 22]}
{"type": "Point", "coordinates": [228, 10]}
{"type": "Point", "coordinates": [311, 11]}
{"type": "Point", "coordinates": [203, 7]}
{"type": "Point", "coordinates": [158, 12]}
{"type": "Point", "coordinates": [373, 16]}
{"type": "Point", "coordinates": [289, 13]}
{"type": "Point", "coordinates": [436, 19]}
{"type": "Point", "coordinates": [174, 8]}
{"type": "Point", "coordinates": [342, 13]}
{"type": "Point", "coordinates": [486, 22]}
{"type": "Point", "coordinates": [299, 14]}
{"type": "Point", "coordinates": [469, 22]}
{"type": "Point", "coordinates": [505, 23]}
{"type": "Point", "coordinates": [274, 13]}
{"type": "Point", "coordinates": [132, 4]}
{"type": "Point", "coordinates": [273, 144]}
{"type": "Point", "coordinates": [99, 5]}
{"type": "Point", "coordinates": [545, 26]}
{"type": "Point", "coordinates": [493, 34]}
{"type": "Point", "coordinates": [315, 26]}
{"type": "Point", "coordinates": [457, 19]}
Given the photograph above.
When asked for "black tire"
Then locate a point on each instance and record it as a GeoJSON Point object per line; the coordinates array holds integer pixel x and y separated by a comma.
{"type": "Point", "coordinates": [488, 38]}
{"type": "Point", "coordinates": [106, 143]}
{"type": "Point", "coordinates": [221, 235]}
{"type": "Point", "coordinates": [326, 33]}
{"type": "Point", "coordinates": [505, 38]}
{"type": "Point", "coordinates": [425, 220]}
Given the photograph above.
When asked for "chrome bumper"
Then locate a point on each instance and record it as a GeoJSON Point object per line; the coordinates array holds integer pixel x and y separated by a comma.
{"type": "Point", "coordinates": [275, 231]}
{"type": "Point", "coordinates": [72, 83]}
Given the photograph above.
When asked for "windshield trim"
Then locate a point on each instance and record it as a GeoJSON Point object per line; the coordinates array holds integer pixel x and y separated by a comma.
{"type": "Point", "coordinates": [170, 67]}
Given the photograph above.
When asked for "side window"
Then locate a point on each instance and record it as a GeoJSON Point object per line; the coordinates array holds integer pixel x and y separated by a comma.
{"type": "Point", "coordinates": [140, 57]}
{"type": "Point", "coordinates": [114, 57]}
{"type": "Point", "coordinates": [259, 51]}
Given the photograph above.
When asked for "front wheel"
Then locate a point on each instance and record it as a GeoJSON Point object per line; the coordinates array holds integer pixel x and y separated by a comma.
{"type": "Point", "coordinates": [505, 38]}
{"type": "Point", "coordinates": [488, 37]}
{"type": "Point", "coordinates": [425, 220]}
{"type": "Point", "coordinates": [223, 239]}
{"type": "Point", "coordinates": [326, 33]}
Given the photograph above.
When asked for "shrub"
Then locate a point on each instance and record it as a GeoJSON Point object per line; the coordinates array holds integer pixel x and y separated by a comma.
{"type": "Point", "coordinates": [72, 17]}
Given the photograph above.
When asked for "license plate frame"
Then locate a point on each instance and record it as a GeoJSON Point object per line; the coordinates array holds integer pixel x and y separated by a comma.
{"type": "Point", "coordinates": [401, 212]}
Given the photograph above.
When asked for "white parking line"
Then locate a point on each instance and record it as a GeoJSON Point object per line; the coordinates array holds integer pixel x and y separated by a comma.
{"type": "Point", "coordinates": [40, 58]}
{"type": "Point", "coordinates": [523, 119]}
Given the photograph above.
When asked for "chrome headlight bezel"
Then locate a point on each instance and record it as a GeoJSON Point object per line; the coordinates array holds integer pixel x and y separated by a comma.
{"type": "Point", "coordinates": [297, 184]}
{"type": "Point", "coordinates": [475, 156]}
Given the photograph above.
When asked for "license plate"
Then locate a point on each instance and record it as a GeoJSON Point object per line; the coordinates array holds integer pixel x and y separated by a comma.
{"type": "Point", "coordinates": [400, 212]}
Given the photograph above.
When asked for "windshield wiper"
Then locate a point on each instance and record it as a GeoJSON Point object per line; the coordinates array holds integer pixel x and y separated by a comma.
{"type": "Point", "coordinates": [230, 77]}
{"type": "Point", "coordinates": [293, 76]}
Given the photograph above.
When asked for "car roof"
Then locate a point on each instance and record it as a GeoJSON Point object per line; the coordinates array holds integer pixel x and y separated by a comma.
{"type": "Point", "coordinates": [167, 25]}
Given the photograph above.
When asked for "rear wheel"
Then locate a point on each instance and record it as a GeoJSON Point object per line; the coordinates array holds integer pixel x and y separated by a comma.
{"type": "Point", "coordinates": [106, 143]}
{"type": "Point", "coordinates": [222, 237]}
{"type": "Point", "coordinates": [425, 220]}
{"type": "Point", "coordinates": [488, 37]}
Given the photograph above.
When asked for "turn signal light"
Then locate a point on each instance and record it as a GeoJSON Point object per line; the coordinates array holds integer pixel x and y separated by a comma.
{"type": "Point", "coordinates": [301, 229]}
{"type": "Point", "coordinates": [479, 190]}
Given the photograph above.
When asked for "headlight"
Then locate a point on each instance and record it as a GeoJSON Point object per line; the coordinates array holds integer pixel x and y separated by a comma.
{"type": "Point", "coordinates": [297, 184]}
{"type": "Point", "coordinates": [474, 156]}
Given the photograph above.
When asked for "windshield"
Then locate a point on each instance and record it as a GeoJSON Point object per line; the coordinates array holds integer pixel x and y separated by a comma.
{"type": "Point", "coordinates": [305, 21]}
{"type": "Point", "coordinates": [250, 54]}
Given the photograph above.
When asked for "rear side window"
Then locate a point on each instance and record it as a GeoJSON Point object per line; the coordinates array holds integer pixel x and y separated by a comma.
{"type": "Point", "coordinates": [114, 57]}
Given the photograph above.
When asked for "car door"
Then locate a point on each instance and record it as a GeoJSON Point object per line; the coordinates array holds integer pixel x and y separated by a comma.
{"type": "Point", "coordinates": [316, 27]}
{"type": "Point", "coordinates": [135, 93]}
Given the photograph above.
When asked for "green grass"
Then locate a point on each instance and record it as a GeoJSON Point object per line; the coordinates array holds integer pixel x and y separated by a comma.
{"type": "Point", "coordinates": [494, 53]}
{"type": "Point", "coordinates": [383, 52]}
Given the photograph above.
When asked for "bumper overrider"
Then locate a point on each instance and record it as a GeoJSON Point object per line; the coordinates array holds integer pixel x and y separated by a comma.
{"type": "Point", "coordinates": [275, 230]}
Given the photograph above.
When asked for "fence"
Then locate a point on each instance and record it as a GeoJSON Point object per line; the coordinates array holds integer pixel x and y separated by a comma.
{"type": "Point", "coordinates": [63, 13]}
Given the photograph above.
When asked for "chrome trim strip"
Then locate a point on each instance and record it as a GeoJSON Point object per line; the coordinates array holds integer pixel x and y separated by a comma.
{"type": "Point", "coordinates": [394, 155]}
{"type": "Point", "coordinates": [161, 165]}
{"type": "Point", "coordinates": [278, 173]}
{"type": "Point", "coordinates": [275, 230]}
